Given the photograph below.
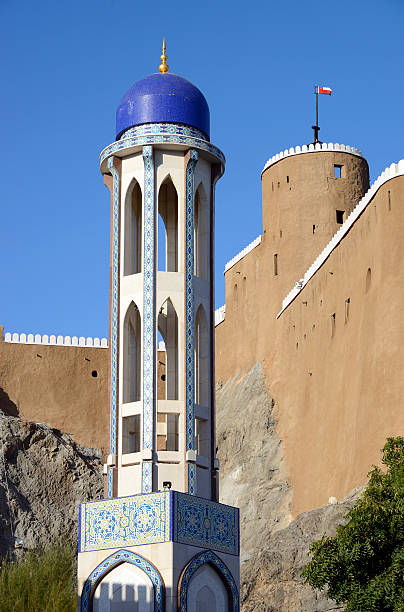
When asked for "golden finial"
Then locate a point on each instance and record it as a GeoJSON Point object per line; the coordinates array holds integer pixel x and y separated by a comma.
{"type": "Point", "coordinates": [163, 66]}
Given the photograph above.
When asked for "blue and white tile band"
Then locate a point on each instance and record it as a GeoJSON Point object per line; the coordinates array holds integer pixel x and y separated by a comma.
{"type": "Point", "coordinates": [165, 516]}
{"type": "Point", "coordinates": [189, 316]}
{"type": "Point", "coordinates": [149, 318]}
{"type": "Point", "coordinates": [114, 330]}
{"type": "Point", "coordinates": [161, 133]}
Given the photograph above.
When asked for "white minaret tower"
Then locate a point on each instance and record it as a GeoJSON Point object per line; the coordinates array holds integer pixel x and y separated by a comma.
{"type": "Point", "coordinates": [161, 539]}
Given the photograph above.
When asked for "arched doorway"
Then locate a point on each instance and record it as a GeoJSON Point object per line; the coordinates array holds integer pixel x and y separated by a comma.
{"type": "Point", "coordinates": [206, 583]}
{"type": "Point", "coordinates": [150, 587]}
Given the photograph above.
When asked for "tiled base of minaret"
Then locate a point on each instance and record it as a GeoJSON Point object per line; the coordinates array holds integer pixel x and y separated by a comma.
{"type": "Point", "coordinates": [167, 536]}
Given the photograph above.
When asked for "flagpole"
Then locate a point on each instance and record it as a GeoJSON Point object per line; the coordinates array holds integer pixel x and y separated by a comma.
{"type": "Point", "coordinates": [316, 126]}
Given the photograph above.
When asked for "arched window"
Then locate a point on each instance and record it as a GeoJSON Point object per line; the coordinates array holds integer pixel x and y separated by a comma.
{"type": "Point", "coordinates": [201, 234]}
{"type": "Point", "coordinates": [133, 230]}
{"type": "Point", "coordinates": [131, 355]}
{"type": "Point", "coordinates": [201, 358]}
{"type": "Point", "coordinates": [168, 328]}
{"type": "Point", "coordinates": [168, 227]}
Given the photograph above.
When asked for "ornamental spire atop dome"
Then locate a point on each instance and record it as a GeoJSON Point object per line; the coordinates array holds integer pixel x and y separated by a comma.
{"type": "Point", "coordinates": [163, 66]}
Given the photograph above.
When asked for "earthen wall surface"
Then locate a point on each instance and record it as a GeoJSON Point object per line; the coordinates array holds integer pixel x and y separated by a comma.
{"type": "Point", "coordinates": [333, 360]}
{"type": "Point", "coordinates": [57, 385]}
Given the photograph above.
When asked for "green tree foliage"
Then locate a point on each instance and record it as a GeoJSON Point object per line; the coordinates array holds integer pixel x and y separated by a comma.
{"type": "Point", "coordinates": [41, 581]}
{"type": "Point", "coordinates": [363, 566]}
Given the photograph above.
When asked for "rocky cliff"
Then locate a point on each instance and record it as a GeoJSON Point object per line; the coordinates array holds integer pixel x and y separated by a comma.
{"type": "Point", "coordinates": [253, 477]}
{"type": "Point", "coordinates": [44, 475]}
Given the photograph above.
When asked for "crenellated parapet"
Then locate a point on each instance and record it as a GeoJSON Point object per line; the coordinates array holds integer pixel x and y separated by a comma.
{"type": "Point", "coordinates": [389, 173]}
{"type": "Point", "coordinates": [220, 314]}
{"type": "Point", "coordinates": [311, 148]}
{"type": "Point", "coordinates": [52, 339]}
{"type": "Point", "coordinates": [243, 253]}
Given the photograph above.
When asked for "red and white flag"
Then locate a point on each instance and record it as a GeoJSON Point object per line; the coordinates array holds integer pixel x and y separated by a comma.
{"type": "Point", "coordinates": [323, 90]}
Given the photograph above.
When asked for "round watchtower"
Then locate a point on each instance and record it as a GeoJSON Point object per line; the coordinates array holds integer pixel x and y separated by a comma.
{"type": "Point", "coordinates": [307, 193]}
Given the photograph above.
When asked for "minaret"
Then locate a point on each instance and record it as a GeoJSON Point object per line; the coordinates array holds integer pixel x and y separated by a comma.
{"type": "Point", "coordinates": [161, 538]}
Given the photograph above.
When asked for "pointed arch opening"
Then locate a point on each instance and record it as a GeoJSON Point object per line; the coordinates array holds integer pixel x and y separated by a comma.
{"type": "Point", "coordinates": [131, 355]}
{"type": "Point", "coordinates": [133, 230]}
{"type": "Point", "coordinates": [153, 585]}
{"type": "Point", "coordinates": [168, 227]}
{"type": "Point", "coordinates": [201, 357]}
{"type": "Point", "coordinates": [206, 583]}
{"type": "Point", "coordinates": [168, 328]}
{"type": "Point", "coordinates": [201, 234]}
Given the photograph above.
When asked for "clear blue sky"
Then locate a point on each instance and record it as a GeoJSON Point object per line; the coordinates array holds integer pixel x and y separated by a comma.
{"type": "Point", "coordinates": [64, 69]}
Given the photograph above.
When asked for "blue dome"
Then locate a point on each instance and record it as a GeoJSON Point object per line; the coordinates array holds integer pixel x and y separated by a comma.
{"type": "Point", "coordinates": [163, 98]}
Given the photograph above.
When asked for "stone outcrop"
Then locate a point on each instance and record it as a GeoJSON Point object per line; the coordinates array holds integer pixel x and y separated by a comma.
{"type": "Point", "coordinates": [253, 477]}
{"type": "Point", "coordinates": [252, 473]}
{"type": "Point", "coordinates": [44, 475]}
{"type": "Point", "coordinates": [271, 580]}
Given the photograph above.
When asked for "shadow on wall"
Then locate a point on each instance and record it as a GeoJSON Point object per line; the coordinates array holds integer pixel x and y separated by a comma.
{"type": "Point", "coordinates": [116, 597]}
{"type": "Point", "coordinates": [7, 405]}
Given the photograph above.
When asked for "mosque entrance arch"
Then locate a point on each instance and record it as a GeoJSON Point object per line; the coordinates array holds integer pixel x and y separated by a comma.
{"type": "Point", "coordinates": [206, 583]}
{"type": "Point", "coordinates": [124, 581]}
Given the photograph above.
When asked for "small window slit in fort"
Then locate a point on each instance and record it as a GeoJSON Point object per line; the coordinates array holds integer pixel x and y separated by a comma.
{"type": "Point", "coordinates": [94, 373]}
{"type": "Point", "coordinates": [389, 199]}
{"type": "Point", "coordinates": [340, 216]}
{"type": "Point", "coordinates": [368, 280]}
{"type": "Point", "coordinates": [337, 171]}
{"type": "Point", "coordinates": [314, 229]}
{"type": "Point", "coordinates": [332, 324]}
{"type": "Point", "coordinates": [272, 185]}
{"type": "Point", "coordinates": [280, 233]}
{"type": "Point", "coordinates": [347, 303]}
{"type": "Point", "coordinates": [276, 264]}
{"type": "Point", "coordinates": [287, 179]}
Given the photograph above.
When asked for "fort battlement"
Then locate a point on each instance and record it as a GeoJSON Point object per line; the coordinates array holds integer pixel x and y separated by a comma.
{"type": "Point", "coordinates": [243, 253]}
{"type": "Point", "coordinates": [55, 340]}
{"type": "Point", "coordinates": [311, 148]}
{"type": "Point", "coordinates": [220, 314]}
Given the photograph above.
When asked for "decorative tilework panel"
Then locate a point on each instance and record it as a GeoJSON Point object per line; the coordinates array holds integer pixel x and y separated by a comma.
{"type": "Point", "coordinates": [149, 300]}
{"type": "Point", "coordinates": [159, 135]}
{"type": "Point", "coordinates": [189, 315]}
{"type": "Point", "coordinates": [125, 521]}
{"type": "Point", "coordinates": [114, 330]}
{"type": "Point", "coordinates": [223, 571]}
{"type": "Point", "coordinates": [201, 522]}
{"type": "Point", "coordinates": [123, 556]}
{"type": "Point", "coordinates": [163, 128]}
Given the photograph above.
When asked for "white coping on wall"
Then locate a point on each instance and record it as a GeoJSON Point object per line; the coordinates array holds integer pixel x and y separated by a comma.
{"type": "Point", "coordinates": [242, 253]}
{"type": "Point", "coordinates": [220, 314]}
{"type": "Point", "coordinates": [388, 174]}
{"type": "Point", "coordinates": [55, 340]}
{"type": "Point", "coordinates": [311, 148]}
